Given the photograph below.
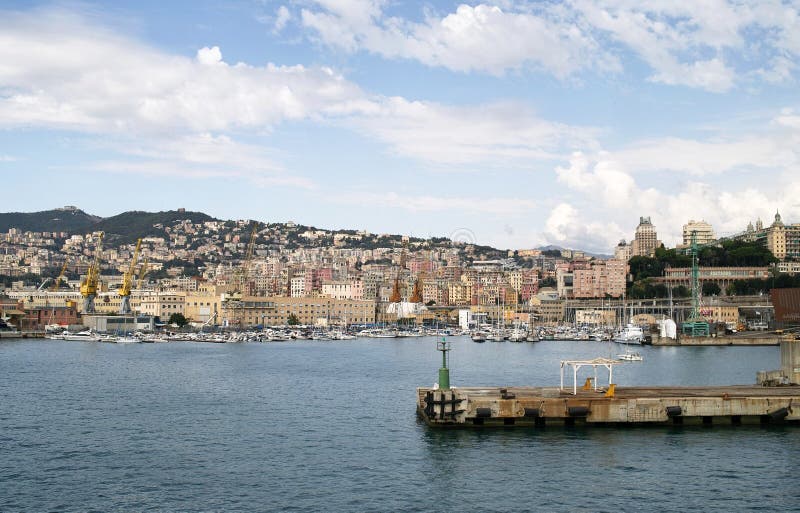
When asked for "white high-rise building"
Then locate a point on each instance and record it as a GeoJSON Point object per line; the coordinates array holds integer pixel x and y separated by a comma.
{"type": "Point", "coordinates": [702, 231]}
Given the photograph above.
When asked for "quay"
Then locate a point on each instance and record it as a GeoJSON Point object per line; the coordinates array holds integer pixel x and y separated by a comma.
{"type": "Point", "coordinates": [22, 334]}
{"type": "Point", "coordinates": [742, 339]}
{"type": "Point", "coordinates": [543, 406]}
{"type": "Point", "coordinates": [775, 399]}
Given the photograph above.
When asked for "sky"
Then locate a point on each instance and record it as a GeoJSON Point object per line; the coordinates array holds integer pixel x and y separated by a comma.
{"type": "Point", "coordinates": [513, 124]}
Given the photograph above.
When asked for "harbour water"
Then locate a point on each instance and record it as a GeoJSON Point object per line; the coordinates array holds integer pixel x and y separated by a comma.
{"type": "Point", "coordinates": [330, 426]}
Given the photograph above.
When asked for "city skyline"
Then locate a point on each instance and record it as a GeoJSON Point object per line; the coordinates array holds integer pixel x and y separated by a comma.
{"type": "Point", "coordinates": [407, 118]}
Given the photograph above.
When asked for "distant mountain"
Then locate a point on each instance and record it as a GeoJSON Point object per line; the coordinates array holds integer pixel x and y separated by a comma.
{"type": "Point", "coordinates": [67, 219]}
{"type": "Point", "coordinates": [126, 227]}
{"type": "Point", "coordinates": [129, 226]}
{"type": "Point", "coordinates": [120, 229]}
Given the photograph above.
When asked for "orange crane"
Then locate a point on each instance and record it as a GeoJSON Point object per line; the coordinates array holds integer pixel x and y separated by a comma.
{"type": "Point", "coordinates": [127, 282]}
{"type": "Point", "coordinates": [90, 283]}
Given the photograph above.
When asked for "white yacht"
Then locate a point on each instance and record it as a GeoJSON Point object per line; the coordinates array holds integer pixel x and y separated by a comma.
{"type": "Point", "coordinates": [630, 334]}
{"type": "Point", "coordinates": [86, 335]}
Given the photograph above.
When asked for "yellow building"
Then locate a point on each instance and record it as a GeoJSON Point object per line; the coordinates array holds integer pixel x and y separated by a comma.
{"type": "Point", "coordinates": [275, 311]}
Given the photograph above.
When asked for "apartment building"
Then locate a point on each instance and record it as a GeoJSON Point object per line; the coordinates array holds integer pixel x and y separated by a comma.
{"type": "Point", "coordinates": [275, 311]}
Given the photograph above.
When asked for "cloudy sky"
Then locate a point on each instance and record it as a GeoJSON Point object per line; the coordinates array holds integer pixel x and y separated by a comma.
{"type": "Point", "coordinates": [515, 124]}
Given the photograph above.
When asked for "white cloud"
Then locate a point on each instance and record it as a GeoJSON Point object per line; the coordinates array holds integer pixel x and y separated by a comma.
{"type": "Point", "coordinates": [621, 200]}
{"type": "Point", "coordinates": [694, 44]}
{"type": "Point", "coordinates": [501, 206]}
{"type": "Point", "coordinates": [605, 180]}
{"type": "Point", "coordinates": [200, 156]}
{"type": "Point", "coordinates": [57, 70]}
{"type": "Point", "coordinates": [499, 133]}
{"type": "Point", "coordinates": [471, 38]}
{"type": "Point", "coordinates": [209, 56]}
{"type": "Point", "coordinates": [282, 17]}
{"type": "Point", "coordinates": [567, 227]}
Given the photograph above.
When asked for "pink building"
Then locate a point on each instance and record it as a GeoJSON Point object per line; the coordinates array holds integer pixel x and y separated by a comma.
{"type": "Point", "coordinates": [602, 278]}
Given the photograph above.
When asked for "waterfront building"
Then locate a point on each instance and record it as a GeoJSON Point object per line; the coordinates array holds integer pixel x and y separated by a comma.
{"type": "Point", "coordinates": [722, 276]}
{"type": "Point", "coordinates": [204, 305]}
{"type": "Point", "coordinates": [548, 311]}
{"type": "Point", "coordinates": [276, 310]}
{"type": "Point", "coordinates": [596, 317]}
{"type": "Point", "coordinates": [162, 304]}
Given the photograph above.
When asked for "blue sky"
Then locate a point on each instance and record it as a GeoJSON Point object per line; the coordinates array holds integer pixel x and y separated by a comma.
{"type": "Point", "coordinates": [515, 124]}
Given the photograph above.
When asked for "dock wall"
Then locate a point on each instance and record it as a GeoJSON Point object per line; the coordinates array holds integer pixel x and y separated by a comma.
{"type": "Point", "coordinates": [21, 334]}
{"type": "Point", "coordinates": [726, 340]}
{"type": "Point", "coordinates": [524, 406]}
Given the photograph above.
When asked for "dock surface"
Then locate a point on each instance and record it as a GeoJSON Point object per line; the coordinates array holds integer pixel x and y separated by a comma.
{"type": "Point", "coordinates": [540, 406]}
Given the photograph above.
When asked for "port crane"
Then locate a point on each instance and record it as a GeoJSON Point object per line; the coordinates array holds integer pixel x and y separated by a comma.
{"type": "Point", "coordinates": [696, 324]}
{"type": "Point", "coordinates": [127, 282]}
{"type": "Point", "coordinates": [241, 274]}
{"type": "Point", "coordinates": [142, 273]}
{"type": "Point", "coordinates": [396, 296]}
{"type": "Point", "coordinates": [90, 283]}
{"type": "Point", "coordinates": [57, 283]}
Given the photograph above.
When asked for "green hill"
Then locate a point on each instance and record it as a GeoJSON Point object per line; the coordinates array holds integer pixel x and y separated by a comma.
{"type": "Point", "coordinates": [126, 227]}
{"type": "Point", "coordinates": [67, 219]}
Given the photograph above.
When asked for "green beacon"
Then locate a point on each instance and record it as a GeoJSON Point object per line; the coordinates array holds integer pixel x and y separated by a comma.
{"type": "Point", "coordinates": [444, 372]}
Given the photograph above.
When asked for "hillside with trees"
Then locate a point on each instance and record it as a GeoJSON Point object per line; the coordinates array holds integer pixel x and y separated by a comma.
{"type": "Point", "coordinates": [70, 220]}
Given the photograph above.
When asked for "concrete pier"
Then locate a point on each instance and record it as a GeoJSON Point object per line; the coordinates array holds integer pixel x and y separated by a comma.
{"type": "Point", "coordinates": [22, 334]}
{"type": "Point", "coordinates": [744, 339]}
{"type": "Point", "coordinates": [535, 406]}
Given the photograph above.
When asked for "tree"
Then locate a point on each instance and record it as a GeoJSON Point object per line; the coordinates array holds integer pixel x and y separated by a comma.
{"type": "Point", "coordinates": [711, 289]}
{"type": "Point", "coordinates": [178, 319]}
{"type": "Point", "coordinates": [681, 291]}
{"type": "Point", "coordinates": [292, 320]}
{"type": "Point", "coordinates": [645, 267]}
{"type": "Point", "coordinates": [547, 282]}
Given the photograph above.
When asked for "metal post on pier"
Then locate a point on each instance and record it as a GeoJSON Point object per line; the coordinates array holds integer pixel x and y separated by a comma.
{"type": "Point", "coordinates": [444, 372]}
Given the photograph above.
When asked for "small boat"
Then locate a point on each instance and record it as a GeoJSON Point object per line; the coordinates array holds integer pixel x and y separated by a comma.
{"type": "Point", "coordinates": [629, 356]}
{"type": "Point", "coordinates": [408, 334]}
{"type": "Point", "coordinates": [496, 336]}
{"type": "Point", "coordinates": [86, 335]}
{"type": "Point", "coordinates": [479, 336]}
{"type": "Point", "coordinates": [518, 334]}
